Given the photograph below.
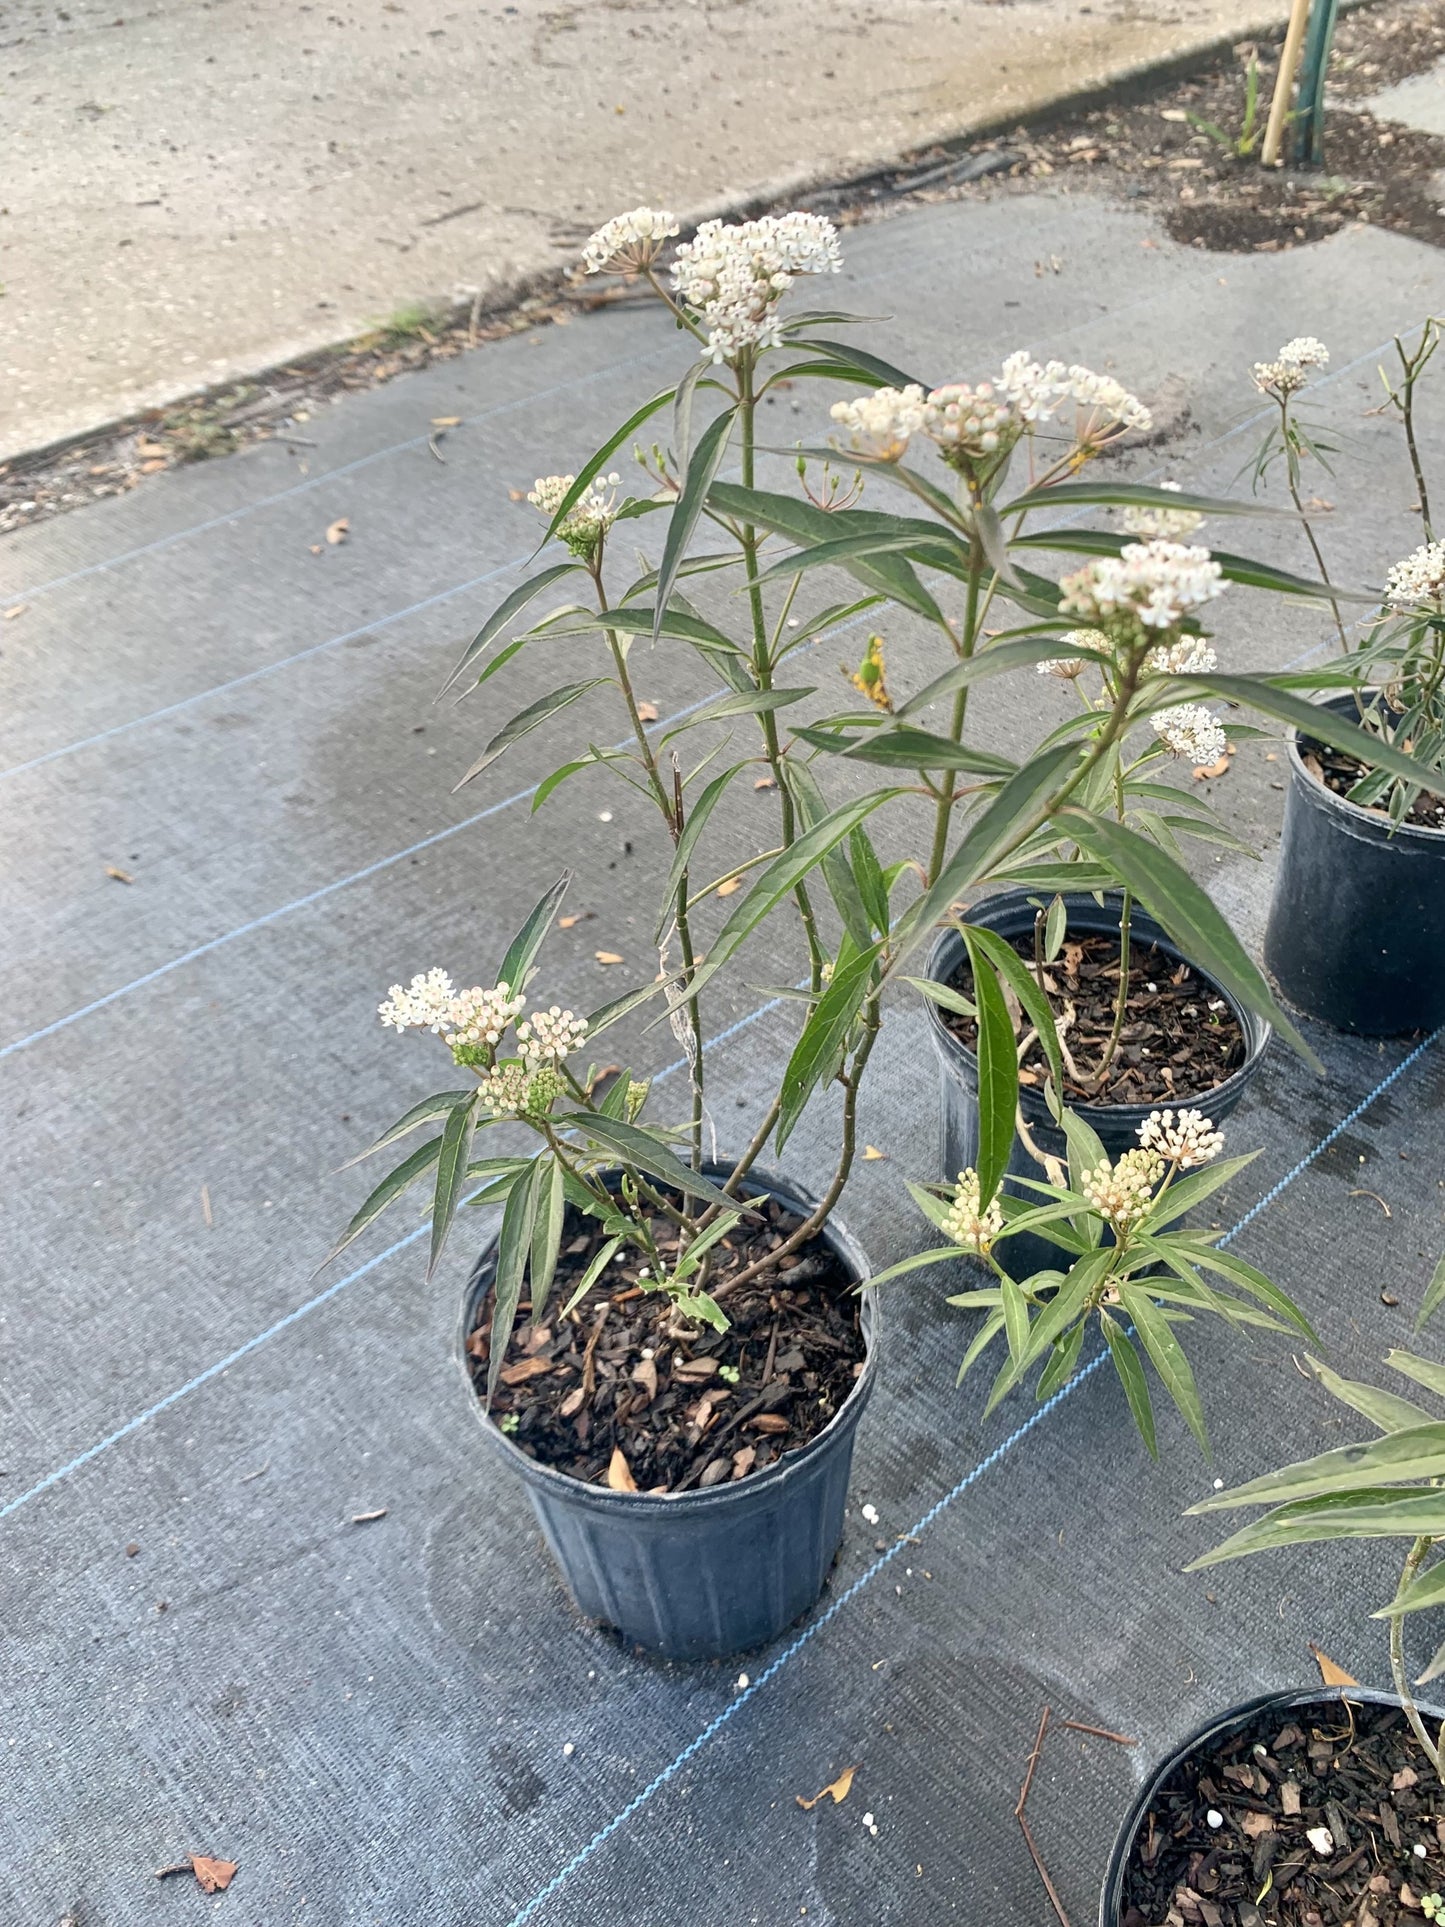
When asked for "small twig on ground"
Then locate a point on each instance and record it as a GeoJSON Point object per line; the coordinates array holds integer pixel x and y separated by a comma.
{"type": "Point", "coordinates": [1099, 1732]}
{"type": "Point", "coordinates": [1026, 1830]}
{"type": "Point", "coordinates": [588, 1380]}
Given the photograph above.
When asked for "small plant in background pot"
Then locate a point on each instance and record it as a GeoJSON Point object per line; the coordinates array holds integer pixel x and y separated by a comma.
{"type": "Point", "coordinates": [1358, 917]}
{"type": "Point", "coordinates": [1326, 1806]}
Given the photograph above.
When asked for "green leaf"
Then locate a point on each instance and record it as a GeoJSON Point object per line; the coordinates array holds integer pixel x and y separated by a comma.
{"type": "Point", "coordinates": [600, 1261]}
{"type": "Point", "coordinates": [882, 374]}
{"type": "Point", "coordinates": [594, 467]}
{"type": "Point", "coordinates": [1025, 986]}
{"type": "Point", "coordinates": [502, 615]}
{"type": "Point", "coordinates": [812, 808]}
{"type": "Point", "coordinates": [1417, 1452]}
{"type": "Point", "coordinates": [528, 719]}
{"type": "Point", "coordinates": [619, 1007]}
{"type": "Point", "coordinates": [546, 1233]}
{"type": "Point", "coordinates": [693, 828]}
{"type": "Point", "coordinates": [998, 1072]}
{"type": "Point", "coordinates": [1311, 719]}
{"type": "Point", "coordinates": [742, 702]}
{"type": "Point", "coordinates": [1015, 1317]}
{"type": "Point", "coordinates": [681, 624]}
{"type": "Point", "coordinates": [703, 465]}
{"type": "Point", "coordinates": [1384, 1409]}
{"type": "Point", "coordinates": [818, 1050]}
{"type": "Point", "coordinates": [1226, 1264]}
{"type": "Point", "coordinates": [1422, 1370]}
{"type": "Point", "coordinates": [995, 544]}
{"type": "Point", "coordinates": [426, 1112]}
{"type": "Point", "coordinates": [781, 876]}
{"type": "Point", "coordinates": [944, 995]}
{"type": "Point", "coordinates": [700, 374]}
{"type": "Point", "coordinates": [1063, 1361]}
{"type": "Point", "coordinates": [901, 747]}
{"type": "Point", "coordinates": [857, 545]}
{"type": "Point", "coordinates": [997, 660]}
{"type": "Point", "coordinates": [936, 1255]}
{"type": "Point", "coordinates": [987, 1332]}
{"type": "Point", "coordinates": [391, 1186]}
{"type": "Point", "coordinates": [514, 1245]}
{"type": "Point", "coordinates": [1382, 1513]}
{"type": "Point", "coordinates": [1167, 1358]}
{"type": "Point", "coordinates": [868, 874]}
{"type": "Point", "coordinates": [522, 951]}
{"type": "Point", "coordinates": [1194, 1187]}
{"type": "Point", "coordinates": [594, 759]}
{"type": "Point", "coordinates": [1131, 1377]}
{"type": "Point", "coordinates": [1434, 1296]}
{"type": "Point", "coordinates": [1135, 495]}
{"type": "Point", "coordinates": [635, 1146]}
{"type": "Point", "coordinates": [1186, 911]}
{"type": "Point", "coordinates": [1428, 1589]}
{"type": "Point", "coordinates": [452, 1159]}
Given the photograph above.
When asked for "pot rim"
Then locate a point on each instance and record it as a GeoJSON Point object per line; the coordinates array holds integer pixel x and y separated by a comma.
{"type": "Point", "coordinates": [602, 1498]}
{"type": "Point", "coordinates": [1323, 797]}
{"type": "Point", "coordinates": [1256, 1030]}
{"type": "Point", "coordinates": [1286, 1699]}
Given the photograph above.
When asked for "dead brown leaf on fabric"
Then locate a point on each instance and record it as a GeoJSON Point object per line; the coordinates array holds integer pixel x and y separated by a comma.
{"type": "Point", "coordinates": [619, 1472]}
{"type": "Point", "coordinates": [764, 783]}
{"type": "Point", "coordinates": [837, 1790]}
{"type": "Point", "coordinates": [570, 923]}
{"type": "Point", "coordinates": [871, 1154]}
{"type": "Point", "coordinates": [446, 421]}
{"type": "Point", "coordinates": [1330, 1673]}
{"type": "Point", "coordinates": [338, 531]}
{"type": "Point", "coordinates": [607, 956]}
{"type": "Point", "coordinates": [18, 609]}
{"type": "Point", "coordinates": [213, 1876]}
{"type": "Point", "coordinates": [731, 885]}
{"type": "Point", "coordinates": [118, 876]}
{"type": "Point", "coordinates": [648, 712]}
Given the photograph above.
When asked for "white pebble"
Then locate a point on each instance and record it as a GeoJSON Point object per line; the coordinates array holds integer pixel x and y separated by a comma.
{"type": "Point", "coordinates": [604, 816]}
{"type": "Point", "coordinates": [1419, 1850]}
{"type": "Point", "coordinates": [1219, 1485]}
{"type": "Point", "coordinates": [870, 1513]}
{"type": "Point", "coordinates": [568, 1750]}
{"type": "Point", "coordinates": [1214, 1818]}
{"type": "Point", "coordinates": [743, 1682]}
{"type": "Point", "coordinates": [1321, 1839]}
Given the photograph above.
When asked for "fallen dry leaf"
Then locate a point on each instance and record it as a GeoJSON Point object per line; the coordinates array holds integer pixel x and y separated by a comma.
{"type": "Point", "coordinates": [607, 956]}
{"type": "Point", "coordinates": [1203, 771]}
{"type": "Point", "coordinates": [118, 876]}
{"type": "Point", "coordinates": [212, 1876]}
{"type": "Point", "coordinates": [338, 532]}
{"type": "Point", "coordinates": [838, 1790]}
{"type": "Point", "coordinates": [727, 889]}
{"type": "Point", "coordinates": [446, 421]}
{"type": "Point", "coordinates": [765, 783]}
{"type": "Point", "coordinates": [871, 1153]}
{"type": "Point", "coordinates": [1330, 1673]}
{"type": "Point", "coordinates": [619, 1472]}
{"type": "Point", "coordinates": [18, 610]}
{"type": "Point", "coordinates": [648, 712]}
{"type": "Point", "coordinates": [316, 548]}
{"type": "Point", "coordinates": [570, 923]}
{"type": "Point", "coordinates": [769, 1422]}
{"type": "Point", "coordinates": [368, 1518]}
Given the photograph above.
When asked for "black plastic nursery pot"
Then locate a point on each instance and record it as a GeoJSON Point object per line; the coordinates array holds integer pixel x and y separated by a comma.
{"type": "Point", "coordinates": [700, 1574]}
{"type": "Point", "coordinates": [1212, 1736]}
{"type": "Point", "coordinates": [1356, 927]}
{"type": "Point", "coordinates": [1011, 915]}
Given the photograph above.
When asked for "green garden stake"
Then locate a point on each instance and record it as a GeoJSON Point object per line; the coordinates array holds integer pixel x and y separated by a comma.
{"type": "Point", "coordinates": [1310, 109]}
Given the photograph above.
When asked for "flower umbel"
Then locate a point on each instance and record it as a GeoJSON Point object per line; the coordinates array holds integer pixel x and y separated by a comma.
{"type": "Point", "coordinates": [590, 516]}
{"type": "Point", "coordinates": [1185, 1138]}
{"type": "Point", "coordinates": [629, 242]}
{"type": "Point", "coordinates": [424, 1004]}
{"type": "Point", "coordinates": [1418, 581]}
{"type": "Point", "coordinates": [975, 1230]}
{"type": "Point", "coordinates": [1289, 371]}
{"type": "Point", "coordinates": [732, 275]}
{"type": "Point", "coordinates": [1122, 1192]}
{"type": "Point", "coordinates": [1069, 668]}
{"type": "Point", "coordinates": [482, 1017]}
{"type": "Point", "coordinates": [1147, 586]}
{"type": "Point", "coordinates": [1190, 731]}
{"type": "Point", "coordinates": [550, 1036]}
{"type": "Point", "coordinates": [1150, 519]}
{"type": "Point", "coordinates": [511, 1090]}
{"type": "Point", "coordinates": [880, 424]}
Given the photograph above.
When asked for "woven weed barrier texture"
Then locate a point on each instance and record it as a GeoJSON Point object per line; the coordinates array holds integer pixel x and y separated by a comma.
{"type": "Point", "coordinates": [371, 1718]}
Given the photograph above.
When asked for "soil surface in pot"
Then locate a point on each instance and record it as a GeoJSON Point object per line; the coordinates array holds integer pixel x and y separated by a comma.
{"type": "Point", "coordinates": [622, 1393]}
{"type": "Point", "coordinates": [1340, 773]}
{"type": "Point", "coordinates": [1180, 1037]}
{"type": "Point", "coordinates": [1319, 1811]}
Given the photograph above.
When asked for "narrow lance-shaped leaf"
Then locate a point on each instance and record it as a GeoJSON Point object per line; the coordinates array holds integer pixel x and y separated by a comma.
{"type": "Point", "coordinates": [1187, 912]}
{"type": "Point", "coordinates": [1025, 986]}
{"type": "Point", "coordinates": [904, 747]}
{"type": "Point", "coordinates": [998, 1074]}
{"type": "Point", "coordinates": [696, 823]}
{"type": "Point", "coordinates": [1376, 1513]}
{"type": "Point", "coordinates": [452, 1160]}
{"type": "Point", "coordinates": [1311, 719]}
{"type": "Point", "coordinates": [528, 719]}
{"type": "Point", "coordinates": [1167, 1358]}
{"type": "Point", "coordinates": [1434, 1296]}
{"type": "Point", "coordinates": [816, 1053]}
{"type": "Point", "coordinates": [502, 615]}
{"type": "Point", "coordinates": [1137, 495]}
{"type": "Point", "coordinates": [514, 1245]}
{"type": "Point", "coordinates": [881, 373]}
{"type": "Point", "coordinates": [702, 466]}
{"type": "Point", "coordinates": [812, 807]}
{"type": "Point", "coordinates": [392, 1185]}
{"type": "Point", "coordinates": [522, 950]}
{"type": "Point", "coordinates": [426, 1112]}
{"type": "Point", "coordinates": [546, 1233]}
{"type": "Point", "coordinates": [1424, 1371]}
{"type": "Point", "coordinates": [638, 1147]}
{"type": "Point", "coordinates": [1131, 1377]}
{"type": "Point", "coordinates": [1418, 1452]}
{"type": "Point", "coordinates": [1384, 1409]}
{"type": "Point", "coordinates": [594, 467]}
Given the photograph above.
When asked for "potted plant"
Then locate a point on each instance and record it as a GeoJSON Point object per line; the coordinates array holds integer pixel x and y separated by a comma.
{"type": "Point", "coordinates": [1357, 919]}
{"type": "Point", "coordinates": [1248, 1805]}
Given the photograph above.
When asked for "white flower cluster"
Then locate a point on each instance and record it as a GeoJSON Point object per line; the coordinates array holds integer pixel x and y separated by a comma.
{"type": "Point", "coordinates": [424, 1004]}
{"type": "Point", "coordinates": [1191, 731]}
{"type": "Point", "coordinates": [590, 516]}
{"type": "Point", "coordinates": [549, 1036]}
{"type": "Point", "coordinates": [1289, 371]}
{"type": "Point", "coordinates": [511, 1090]}
{"type": "Point", "coordinates": [1068, 668]}
{"type": "Point", "coordinates": [880, 424]}
{"type": "Point", "coordinates": [1420, 578]}
{"type": "Point", "coordinates": [629, 241]}
{"type": "Point", "coordinates": [1148, 585]}
{"type": "Point", "coordinates": [1104, 405]}
{"type": "Point", "coordinates": [1149, 519]}
{"type": "Point", "coordinates": [482, 1017]}
{"type": "Point", "coordinates": [970, 423]}
{"type": "Point", "coordinates": [1185, 1138]}
{"type": "Point", "coordinates": [975, 1230]}
{"type": "Point", "coordinates": [1189, 656]}
{"type": "Point", "coordinates": [1121, 1192]}
{"type": "Point", "coordinates": [732, 276]}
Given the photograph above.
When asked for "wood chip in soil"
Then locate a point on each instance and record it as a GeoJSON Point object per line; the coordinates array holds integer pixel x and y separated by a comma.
{"type": "Point", "coordinates": [622, 1377]}
{"type": "Point", "coordinates": [1180, 1038]}
{"type": "Point", "coordinates": [1320, 1810]}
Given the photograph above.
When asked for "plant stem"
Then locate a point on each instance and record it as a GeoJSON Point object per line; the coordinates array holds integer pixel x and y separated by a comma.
{"type": "Point", "coordinates": [763, 669]}
{"type": "Point", "coordinates": [1292, 473]}
{"type": "Point", "coordinates": [1126, 958]}
{"type": "Point", "coordinates": [943, 814]}
{"type": "Point", "coordinates": [693, 1045]}
{"type": "Point", "coordinates": [1414, 1559]}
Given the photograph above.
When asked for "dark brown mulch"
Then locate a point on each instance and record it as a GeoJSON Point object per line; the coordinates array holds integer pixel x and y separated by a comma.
{"type": "Point", "coordinates": [1339, 773]}
{"type": "Point", "coordinates": [621, 1374]}
{"type": "Point", "coordinates": [1180, 1037]}
{"type": "Point", "coordinates": [1353, 1769]}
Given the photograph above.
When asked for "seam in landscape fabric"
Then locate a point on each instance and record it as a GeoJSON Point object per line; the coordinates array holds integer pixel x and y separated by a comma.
{"type": "Point", "coordinates": [715, 1726]}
